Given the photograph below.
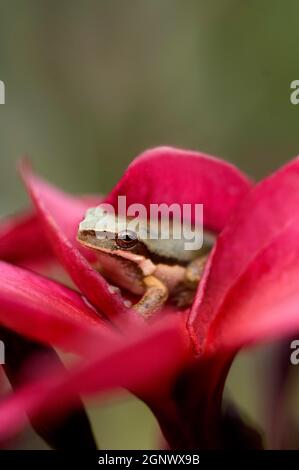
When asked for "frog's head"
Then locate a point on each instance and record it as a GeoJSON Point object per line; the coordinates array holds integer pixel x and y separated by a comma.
{"type": "Point", "coordinates": [132, 249]}
{"type": "Point", "coordinates": [104, 231]}
{"type": "Point", "coordinates": [122, 255]}
{"type": "Point", "coordinates": [108, 233]}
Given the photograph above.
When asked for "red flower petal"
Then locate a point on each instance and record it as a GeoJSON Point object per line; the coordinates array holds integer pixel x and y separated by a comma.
{"type": "Point", "coordinates": [138, 363]}
{"type": "Point", "coordinates": [264, 303]}
{"type": "Point", "coordinates": [73, 430]}
{"type": "Point", "coordinates": [249, 292]}
{"type": "Point", "coordinates": [46, 311]}
{"type": "Point", "coordinates": [263, 218]}
{"type": "Point", "coordinates": [169, 175]}
{"type": "Point", "coordinates": [22, 238]}
{"type": "Point", "coordinates": [60, 215]}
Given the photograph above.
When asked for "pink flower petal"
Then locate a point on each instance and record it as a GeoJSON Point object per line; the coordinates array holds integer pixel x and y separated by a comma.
{"type": "Point", "coordinates": [249, 291]}
{"type": "Point", "coordinates": [264, 303]}
{"type": "Point", "coordinates": [169, 175]}
{"type": "Point", "coordinates": [138, 363]}
{"type": "Point", "coordinates": [264, 215]}
{"type": "Point", "coordinates": [46, 311]}
{"type": "Point", "coordinates": [20, 353]}
{"type": "Point", "coordinates": [22, 238]}
{"type": "Point", "coordinates": [60, 215]}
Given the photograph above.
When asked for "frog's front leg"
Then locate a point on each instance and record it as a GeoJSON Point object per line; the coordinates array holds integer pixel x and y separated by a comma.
{"type": "Point", "coordinates": [156, 294]}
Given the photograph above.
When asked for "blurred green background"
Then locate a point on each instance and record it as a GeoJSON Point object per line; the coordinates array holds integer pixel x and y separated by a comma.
{"type": "Point", "coordinates": [90, 84]}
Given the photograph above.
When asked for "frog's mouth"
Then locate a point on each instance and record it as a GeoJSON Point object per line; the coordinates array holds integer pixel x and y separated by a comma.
{"type": "Point", "coordinates": [88, 239]}
{"type": "Point", "coordinates": [106, 242]}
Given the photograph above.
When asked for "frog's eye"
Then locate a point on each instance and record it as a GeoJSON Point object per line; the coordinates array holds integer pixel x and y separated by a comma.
{"type": "Point", "coordinates": [126, 239]}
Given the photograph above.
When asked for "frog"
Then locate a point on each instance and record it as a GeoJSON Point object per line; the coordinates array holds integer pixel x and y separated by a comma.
{"type": "Point", "coordinates": [142, 261]}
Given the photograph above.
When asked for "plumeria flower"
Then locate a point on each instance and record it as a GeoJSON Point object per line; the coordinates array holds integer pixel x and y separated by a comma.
{"type": "Point", "coordinates": [176, 362]}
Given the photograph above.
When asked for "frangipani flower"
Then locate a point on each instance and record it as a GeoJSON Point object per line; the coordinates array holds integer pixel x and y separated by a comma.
{"type": "Point", "coordinates": [177, 362]}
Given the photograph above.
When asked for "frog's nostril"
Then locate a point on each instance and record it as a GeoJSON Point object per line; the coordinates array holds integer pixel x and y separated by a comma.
{"type": "Point", "coordinates": [126, 239]}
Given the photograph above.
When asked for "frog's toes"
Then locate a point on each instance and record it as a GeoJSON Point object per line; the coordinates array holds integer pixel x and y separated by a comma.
{"type": "Point", "coordinates": [156, 294]}
{"type": "Point", "coordinates": [116, 290]}
{"type": "Point", "coordinates": [113, 289]}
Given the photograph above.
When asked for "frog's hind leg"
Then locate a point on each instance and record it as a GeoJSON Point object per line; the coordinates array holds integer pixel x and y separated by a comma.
{"type": "Point", "coordinates": [185, 291]}
{"type": "Point", "coordinates": [155, 295]}
{"type": "Point", "coordinates": [182, 290]}
{"type": "Point", "coordinates": [194, 271]}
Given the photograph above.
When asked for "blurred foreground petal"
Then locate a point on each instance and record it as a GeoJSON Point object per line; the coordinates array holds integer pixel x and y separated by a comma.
{"type": "Point", "coordinates": [139, 363]}
{"type": "Point", "coordinates": [46, 311]}
{"type": "Point", "coordinates": [69, 431]}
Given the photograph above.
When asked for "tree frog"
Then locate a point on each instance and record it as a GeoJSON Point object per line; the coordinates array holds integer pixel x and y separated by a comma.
{"type": "Point", "coordinates": [153, 268]}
